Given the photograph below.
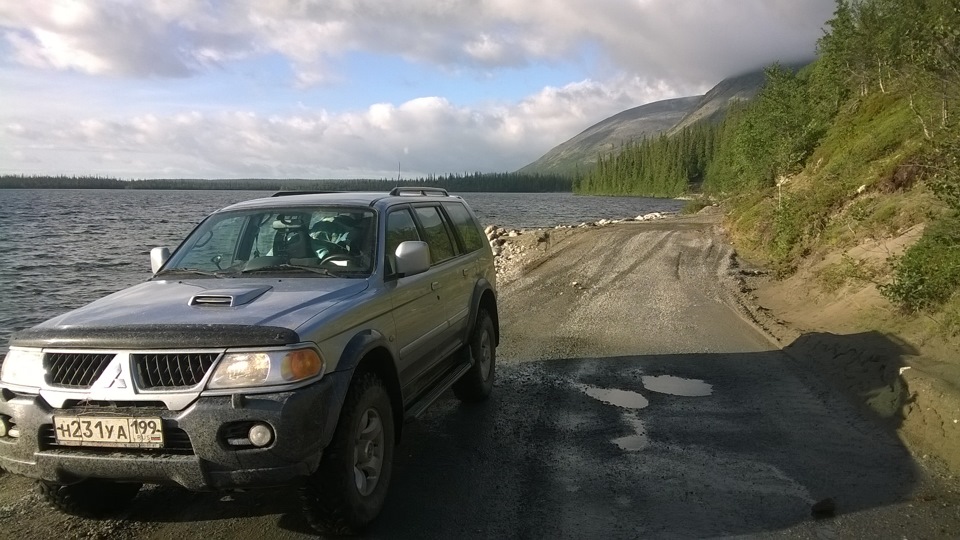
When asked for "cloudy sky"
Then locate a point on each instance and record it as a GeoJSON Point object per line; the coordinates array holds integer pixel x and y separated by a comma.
{"type": "Point", "coordinates": [351, 88]}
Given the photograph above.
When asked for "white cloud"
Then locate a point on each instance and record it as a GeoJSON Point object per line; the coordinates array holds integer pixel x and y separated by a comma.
{"type": "Point", "coordinates": [630, 53]}
{"type": "Point", "coordinates": [426, 135]}
{"type": "Point", "coordinates": [687, 41]}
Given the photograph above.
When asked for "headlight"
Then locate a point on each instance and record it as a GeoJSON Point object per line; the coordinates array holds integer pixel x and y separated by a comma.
{"type": "Point", "coordinates": [265, 368]}
{"type": "Point", "coordinates": [23, 367]}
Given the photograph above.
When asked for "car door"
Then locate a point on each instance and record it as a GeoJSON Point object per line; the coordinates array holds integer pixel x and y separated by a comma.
{"type": "Point", "coordinates": [421, 322]}
{"type": "Point", "coordinates": [470, 265]}
{"type": "Point", "coordinates": [448, 269]}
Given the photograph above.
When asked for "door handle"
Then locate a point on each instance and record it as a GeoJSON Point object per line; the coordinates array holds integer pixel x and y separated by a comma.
{"type": "Point", "coordinates": [465, 272]}
{"type": "Point", "coordinates": [435, 285]}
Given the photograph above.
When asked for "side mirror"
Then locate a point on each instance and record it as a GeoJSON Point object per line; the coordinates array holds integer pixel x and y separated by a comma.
{"type": "Point", "coordinates": [413, 257]}
{"type": "Point", "coordinates": [158, 257]}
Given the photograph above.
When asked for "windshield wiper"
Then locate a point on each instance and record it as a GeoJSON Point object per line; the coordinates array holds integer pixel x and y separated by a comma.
{"type": "Point", "coordinates": [195, 271]}
{"type": "Point", "coordinates": [275, 267]}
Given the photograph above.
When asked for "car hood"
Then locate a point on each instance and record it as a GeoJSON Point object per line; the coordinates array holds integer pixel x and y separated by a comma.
{"type": "Point", "coordinates": [280, 303]}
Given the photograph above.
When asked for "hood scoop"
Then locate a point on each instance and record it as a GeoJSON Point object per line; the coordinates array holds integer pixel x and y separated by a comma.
{"type": "Point", "coordinates": [227, 297]}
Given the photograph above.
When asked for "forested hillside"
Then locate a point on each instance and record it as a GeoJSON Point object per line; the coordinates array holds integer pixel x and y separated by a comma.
{"type": "Point", "coordinates": [580, 152]}
{"type": "Point", "coordinates": [862, 143]}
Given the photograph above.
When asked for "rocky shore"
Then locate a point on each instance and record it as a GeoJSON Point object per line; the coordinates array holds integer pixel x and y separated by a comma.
{"type": "Point", "coordinates": [515, 248]}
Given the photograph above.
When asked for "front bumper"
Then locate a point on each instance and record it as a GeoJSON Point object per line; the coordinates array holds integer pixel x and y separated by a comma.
{"type": "Point", "coordinates": [196, 453]}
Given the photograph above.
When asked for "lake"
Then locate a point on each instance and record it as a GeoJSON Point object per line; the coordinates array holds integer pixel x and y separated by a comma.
{"type": "Point", "coordinates": [60, 249]}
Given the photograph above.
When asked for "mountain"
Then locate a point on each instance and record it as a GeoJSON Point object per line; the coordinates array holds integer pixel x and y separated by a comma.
{"type": "Point", "coordinates": [668, 116]}
{"type": "Point", "coordinates": [715, 102]}
{"type": "Point", "coordinates": [608, 135]}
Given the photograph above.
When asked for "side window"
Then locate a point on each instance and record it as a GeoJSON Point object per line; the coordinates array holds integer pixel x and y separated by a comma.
{"type": "Point", "coordinates": [435, 230]}
{"type": "Point", "coordinates": [465, 225]}
{"type": "Point", "coordinates": [400, 228]}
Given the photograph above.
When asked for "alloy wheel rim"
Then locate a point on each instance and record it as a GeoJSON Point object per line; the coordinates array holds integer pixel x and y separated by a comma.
{"type": "Point", "coordinates": [368, 452]}
{"type": "Point", "coordinates": [486, 356]}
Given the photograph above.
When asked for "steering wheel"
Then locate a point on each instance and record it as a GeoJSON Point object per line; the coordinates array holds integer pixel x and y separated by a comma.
{"type": "Point", "coordinates": [328, 249]}
{"type": "Point", "coordinates": [338, 257]}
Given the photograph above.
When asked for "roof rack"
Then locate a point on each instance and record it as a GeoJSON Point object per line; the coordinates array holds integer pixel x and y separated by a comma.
{"type": "Point", "coordinates": [288, 193]}
{"type": "Point", "coordinates": [423, 191]}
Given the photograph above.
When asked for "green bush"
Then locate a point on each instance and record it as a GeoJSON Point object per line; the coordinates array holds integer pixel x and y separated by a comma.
{"type": "Point", "coordinates": [928, 274]}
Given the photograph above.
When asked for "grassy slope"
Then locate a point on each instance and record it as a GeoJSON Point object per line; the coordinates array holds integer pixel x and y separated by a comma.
{"type": "Point", "coordinates": [833, 236]}
{"type": "Point", "coordinates": [820, 208]}
{"type": "Point", "coordinates": [860, 185]}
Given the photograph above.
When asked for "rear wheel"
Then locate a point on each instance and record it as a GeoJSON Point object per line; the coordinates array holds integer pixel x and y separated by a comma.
{"type": "Point", "coordinates": [89, 498]}
{"type": "Point", "coordinates": [348, 490]}
{"type": "Point", "coordinates": [477, 384]}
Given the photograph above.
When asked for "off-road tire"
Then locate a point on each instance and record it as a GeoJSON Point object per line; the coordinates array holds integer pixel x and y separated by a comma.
{"type": "Point", "coordinates": [476, 384]}
{"type": "Point", "coordinates": [332, 502]}
{"type": "Point", "coordinates": [93, 498]}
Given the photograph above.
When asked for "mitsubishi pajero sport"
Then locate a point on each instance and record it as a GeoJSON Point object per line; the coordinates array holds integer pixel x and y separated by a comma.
{"type": "Point", "coordinates": [285, 341]}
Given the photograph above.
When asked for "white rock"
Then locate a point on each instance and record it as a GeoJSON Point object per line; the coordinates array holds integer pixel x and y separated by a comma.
{"type": "Point", "coordinates": [513, 234]}
{"type": "Point", "coordinates": [489, 229]}
{"type": "Point", "coordinates": [861, 189]}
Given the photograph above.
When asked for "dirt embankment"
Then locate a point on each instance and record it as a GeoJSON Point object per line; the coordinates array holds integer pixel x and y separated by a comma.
{"type": "Point", "coordinates": [841, 335]}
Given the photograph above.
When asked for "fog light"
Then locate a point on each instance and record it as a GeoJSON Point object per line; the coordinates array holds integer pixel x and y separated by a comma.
{"type": "Point", "coordinates": [4, 426]}
{"type": "Point", "coordinates": [260, 435]}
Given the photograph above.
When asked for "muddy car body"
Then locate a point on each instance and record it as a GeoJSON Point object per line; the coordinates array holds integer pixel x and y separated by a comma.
{"type": "Point", "coordinates": [285, 341]}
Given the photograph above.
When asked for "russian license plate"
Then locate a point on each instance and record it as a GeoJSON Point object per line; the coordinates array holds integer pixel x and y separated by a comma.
{"type": "Point", "coordinates": [112, 432]}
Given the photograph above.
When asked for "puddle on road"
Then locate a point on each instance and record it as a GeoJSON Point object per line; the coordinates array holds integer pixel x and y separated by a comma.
{"type": "Point", "coordinates": [677, 386]}
{"type": "Point", "coordinates": [636, 442]}
{"type": "Point", "coordinates": [626, 399]}
{"type": "Point", "coordinates": [613, 396]}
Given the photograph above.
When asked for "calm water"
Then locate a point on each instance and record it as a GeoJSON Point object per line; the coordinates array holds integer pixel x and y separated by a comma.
{"type": "Point", "coordinates": [60, 249]}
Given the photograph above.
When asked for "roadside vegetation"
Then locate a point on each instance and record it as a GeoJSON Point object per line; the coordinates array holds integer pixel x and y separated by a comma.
{"type": "Point", "coordinates": [862, 144]}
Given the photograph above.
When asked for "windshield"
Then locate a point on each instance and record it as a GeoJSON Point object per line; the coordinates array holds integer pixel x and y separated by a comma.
{"type": "Point", "coordinates": [324, 240]}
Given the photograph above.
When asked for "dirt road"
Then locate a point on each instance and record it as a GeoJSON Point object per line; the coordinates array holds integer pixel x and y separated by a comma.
{"type": "Point", "coordinates": [632, 401]}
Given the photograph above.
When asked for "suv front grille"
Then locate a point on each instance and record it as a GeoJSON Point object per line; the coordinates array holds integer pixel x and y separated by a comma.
{"type": "Point", "coordinates": [172, 370]}
{"type": "Point", "coordinates": [75, 370]}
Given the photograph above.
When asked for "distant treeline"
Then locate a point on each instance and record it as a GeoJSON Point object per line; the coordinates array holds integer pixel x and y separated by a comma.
{"type": "Point", "coordinates": [476, 182]}
{"type": "Point", "coordinates": [662, 166]}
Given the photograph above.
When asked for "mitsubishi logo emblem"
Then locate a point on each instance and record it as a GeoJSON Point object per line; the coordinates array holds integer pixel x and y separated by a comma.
{"type": "Point", "coordinates": [113, 377]}
{"type": "Point", "coordinates": [117, 382]}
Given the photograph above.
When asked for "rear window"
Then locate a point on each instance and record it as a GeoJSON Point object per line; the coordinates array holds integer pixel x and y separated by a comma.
{"type": "Point", "coordinates": [435, 231]}
{"type": "Point", "coordinates": [466, 226]}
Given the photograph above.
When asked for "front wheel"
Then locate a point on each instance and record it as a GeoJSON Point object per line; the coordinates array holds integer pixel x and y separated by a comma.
{"type": "Point", "coordinates": [89, 498]}
{"type": "Point", "coordinates": [477, 383]}
{"type": "Point", "coordinates": [349, 487]}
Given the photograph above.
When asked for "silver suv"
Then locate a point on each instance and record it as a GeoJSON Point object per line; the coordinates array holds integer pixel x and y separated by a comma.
{"type": "Point", "coordinates": [285, 341]}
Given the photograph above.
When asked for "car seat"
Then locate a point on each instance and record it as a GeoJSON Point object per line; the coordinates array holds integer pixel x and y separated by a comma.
{"type": "Point", "coordinates": [292, 244]}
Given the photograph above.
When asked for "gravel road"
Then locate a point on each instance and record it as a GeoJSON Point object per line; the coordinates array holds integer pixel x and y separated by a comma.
{"type": "Point", "coordinates": [632, 401]}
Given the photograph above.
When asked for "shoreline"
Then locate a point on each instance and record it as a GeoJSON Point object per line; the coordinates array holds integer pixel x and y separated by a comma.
{"type": "Point", "coordinates": [515, 248]}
